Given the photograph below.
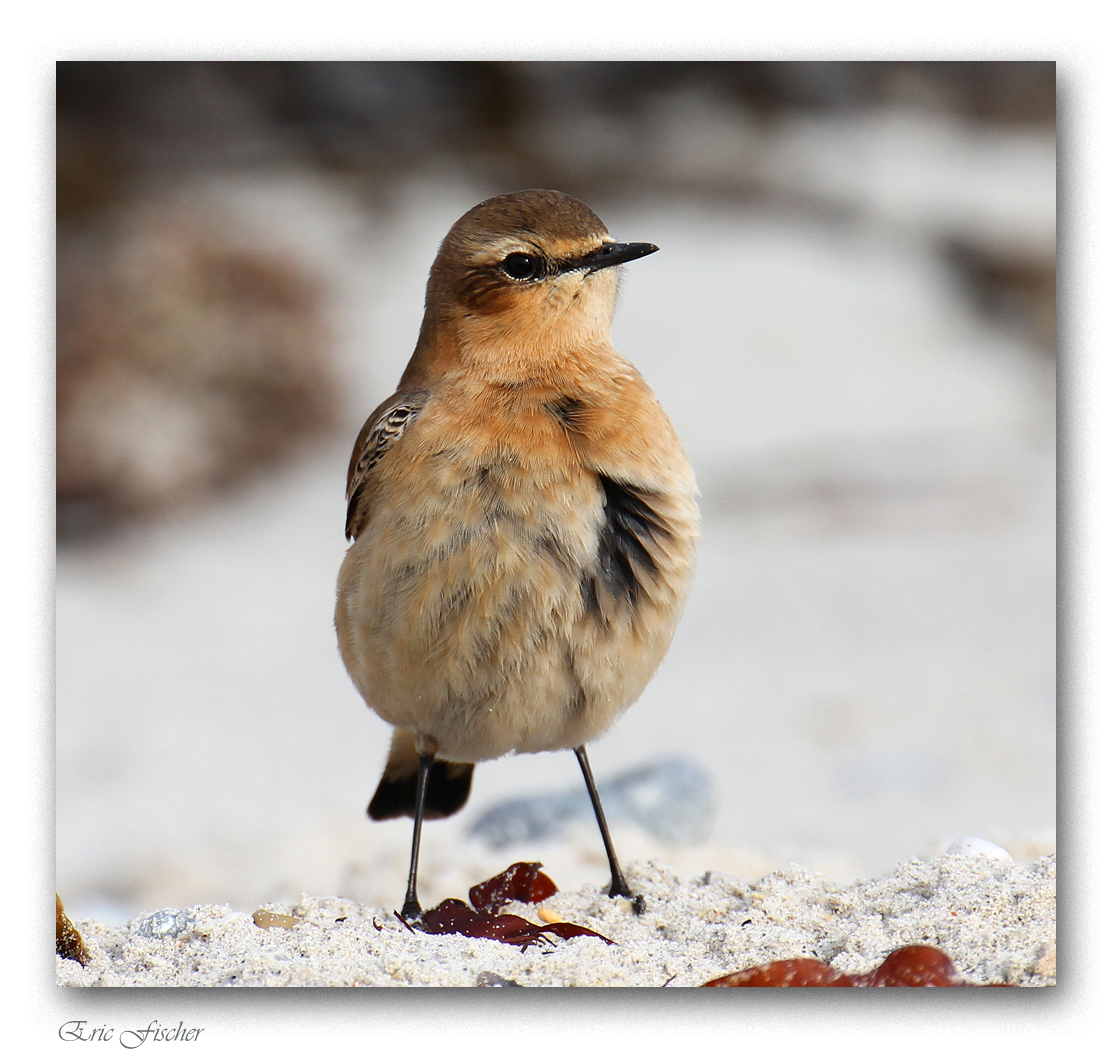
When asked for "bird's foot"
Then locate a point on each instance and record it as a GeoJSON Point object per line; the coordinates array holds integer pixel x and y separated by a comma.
{"type": "Point", "coordinates": [637, 901]}
{"type": "Point", "coordinates": [411, 913]}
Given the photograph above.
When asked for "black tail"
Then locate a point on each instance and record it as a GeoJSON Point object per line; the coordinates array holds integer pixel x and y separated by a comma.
{"type": "Point", "coordinates": [449, 786]}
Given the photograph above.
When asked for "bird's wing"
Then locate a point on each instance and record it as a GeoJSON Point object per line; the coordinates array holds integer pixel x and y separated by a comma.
{"type": "Point", "coordinates": [381, 431]}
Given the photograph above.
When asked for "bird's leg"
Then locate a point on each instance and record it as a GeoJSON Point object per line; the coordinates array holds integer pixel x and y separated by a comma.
{"type": "Point", "coordinates": [411, 909]}
{"type": "Point", "coordinates": [618, 886]}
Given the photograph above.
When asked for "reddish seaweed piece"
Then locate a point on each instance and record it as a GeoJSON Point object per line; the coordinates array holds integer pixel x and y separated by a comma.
{"type": "Point", "coordinates": [455, 916]}
{"type": "Point", "coordinates": [566, 930]}
{"type": "Point", "coordinates": [520, 881]}
{"type": "Point", "coordinates": [788, 973]}
{"type": "Point", "coordinates": [916, 966]}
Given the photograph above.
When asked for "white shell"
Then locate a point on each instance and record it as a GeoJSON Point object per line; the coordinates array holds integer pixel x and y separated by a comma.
{"type": "Point", "coordinates": [978, 846]}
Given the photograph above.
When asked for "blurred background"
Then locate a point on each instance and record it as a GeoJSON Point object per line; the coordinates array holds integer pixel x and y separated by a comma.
{"type": "Point", "coordinates": [851, 323]}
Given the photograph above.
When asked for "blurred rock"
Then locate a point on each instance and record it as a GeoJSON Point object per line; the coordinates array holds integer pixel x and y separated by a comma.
{"type": "Point", "coordinates": [190, 357]}
{"type": "Point", "coordinates": [1014, 288]}
{"type": "Point", "coordinates": [531, 818]}
{"type": "Point", "coordinates": [672, 799]}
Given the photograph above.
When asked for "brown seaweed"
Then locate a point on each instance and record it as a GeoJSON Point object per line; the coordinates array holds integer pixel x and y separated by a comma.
{"type": "Point", "coordinates": [67, 940]}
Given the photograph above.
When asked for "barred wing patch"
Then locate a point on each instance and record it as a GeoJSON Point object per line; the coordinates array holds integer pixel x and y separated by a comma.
{"type": "Point", "coordinates": [383, 428]}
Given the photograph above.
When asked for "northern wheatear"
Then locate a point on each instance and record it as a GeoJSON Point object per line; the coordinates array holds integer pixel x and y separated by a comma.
{"type": "Point", "coordinates": [523, 517]}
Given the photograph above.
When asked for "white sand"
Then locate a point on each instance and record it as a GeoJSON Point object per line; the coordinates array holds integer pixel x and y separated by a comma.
{"type": "Point", "coordinates": [994, 918]}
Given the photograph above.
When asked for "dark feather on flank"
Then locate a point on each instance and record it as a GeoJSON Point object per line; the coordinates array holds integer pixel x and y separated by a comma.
{"type": "Point", "coordinates": [447, 793]}
{"type": "Point", "coordinates": [571, 412]}
{"type": "Point", "coordinates": [630, 526]}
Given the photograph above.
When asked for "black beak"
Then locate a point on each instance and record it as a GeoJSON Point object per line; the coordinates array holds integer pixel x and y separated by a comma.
{"type": "Point", "coordinates": [611, 254]}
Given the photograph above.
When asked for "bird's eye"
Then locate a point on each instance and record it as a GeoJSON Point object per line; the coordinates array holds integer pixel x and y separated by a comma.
{"type": "Point", "coordinates": [521, 266]}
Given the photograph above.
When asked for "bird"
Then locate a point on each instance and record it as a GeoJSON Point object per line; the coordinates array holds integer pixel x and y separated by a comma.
{"type": "Point", "coordinates": [521, 514]}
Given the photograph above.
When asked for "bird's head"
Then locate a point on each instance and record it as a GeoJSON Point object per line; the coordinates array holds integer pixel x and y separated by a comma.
{"type": "Point", "coordinates": [533, 267]}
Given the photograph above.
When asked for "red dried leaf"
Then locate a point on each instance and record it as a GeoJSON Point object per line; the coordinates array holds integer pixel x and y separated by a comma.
{"type": "Point", "coordinates": [917, 966]}
{"type": "Point", "coordinates": [522, 881]}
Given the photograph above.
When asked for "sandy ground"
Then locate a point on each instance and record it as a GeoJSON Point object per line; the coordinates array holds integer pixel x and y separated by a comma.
{"type": "Point", "coordinates": [993, 917]}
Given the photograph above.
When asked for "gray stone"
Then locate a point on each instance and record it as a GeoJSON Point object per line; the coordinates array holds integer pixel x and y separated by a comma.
{"type": "Point", "coordinates": [672, 799]}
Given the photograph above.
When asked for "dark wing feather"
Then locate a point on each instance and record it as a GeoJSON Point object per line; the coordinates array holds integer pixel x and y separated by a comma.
{"type": "Point", "coordinates": [382, 429]}
{"type": "Point", "coordinates": [632, 529]}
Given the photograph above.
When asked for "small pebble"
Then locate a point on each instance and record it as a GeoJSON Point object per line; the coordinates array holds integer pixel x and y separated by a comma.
{"type": "Point", "coordinates": [274, 920]}
{"type": "Point", "coordinates": [1045, 966]}
{"type": "Point", "coordinates": [169, 922]}
{"type": "Point", "coordinates": [487, 979]}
